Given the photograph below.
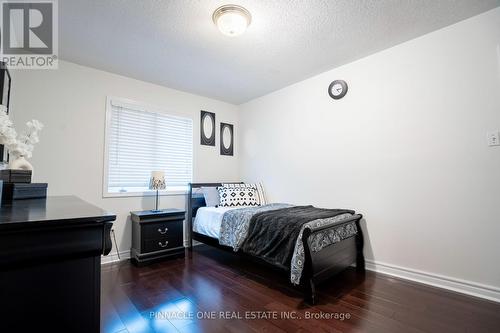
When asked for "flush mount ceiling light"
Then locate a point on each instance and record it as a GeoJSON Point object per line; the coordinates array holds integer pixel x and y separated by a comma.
{"type": "Point", "coordinates": [232, 20]}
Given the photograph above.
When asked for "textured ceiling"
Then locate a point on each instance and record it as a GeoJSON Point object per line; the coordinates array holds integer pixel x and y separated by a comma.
{"type": "Point", "coordinates": [174, 43]}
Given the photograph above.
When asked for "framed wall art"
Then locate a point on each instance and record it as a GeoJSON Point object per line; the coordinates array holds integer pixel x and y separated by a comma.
{"type": "Point", "coordinates": [226, 139]}
{"type": "Point", "coordinates": [207, 128]}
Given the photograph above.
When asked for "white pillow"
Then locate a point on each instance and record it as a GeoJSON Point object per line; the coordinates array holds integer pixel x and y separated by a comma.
{"type": "Point", "coordinates": [211, 196]}
{"type": "Point", "coordinates": [259, 188]}
{"type": "Point", "coordinates": [237, 196]}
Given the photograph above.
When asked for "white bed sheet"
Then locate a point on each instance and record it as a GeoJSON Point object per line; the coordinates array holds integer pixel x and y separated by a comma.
{"type": "Point", "coordinates": [209, 219]}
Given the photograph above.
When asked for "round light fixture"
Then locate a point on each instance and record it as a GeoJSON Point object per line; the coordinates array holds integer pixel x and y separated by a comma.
{"type": "Point", "coordinates": [232, 20]}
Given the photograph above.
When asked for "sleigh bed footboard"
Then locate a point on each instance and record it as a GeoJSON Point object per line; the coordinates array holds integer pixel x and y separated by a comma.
{"type": "Point", "coordinates": [322, 264]}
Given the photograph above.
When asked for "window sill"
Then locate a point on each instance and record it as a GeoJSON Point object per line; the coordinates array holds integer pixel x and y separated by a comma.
{"type": "Point", "coordinates": [145, 194]}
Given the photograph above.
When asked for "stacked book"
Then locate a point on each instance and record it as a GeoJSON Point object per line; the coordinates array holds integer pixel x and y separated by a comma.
{"type": "Point", "coordinates": [16, 185]}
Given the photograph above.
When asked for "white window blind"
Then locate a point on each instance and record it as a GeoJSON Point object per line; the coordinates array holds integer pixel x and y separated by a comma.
{"type": "Point", "coordinates": [140, 141]}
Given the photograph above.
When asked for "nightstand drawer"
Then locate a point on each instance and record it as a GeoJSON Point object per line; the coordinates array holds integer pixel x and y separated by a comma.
{"type": "Point", "coordinates": [165, 243]}
{"type": "Point", "coordinates": [162, 229]}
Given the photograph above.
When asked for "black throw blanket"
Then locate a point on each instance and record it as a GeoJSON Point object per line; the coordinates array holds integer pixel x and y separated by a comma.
{"type": "Point", "coordinates": [272, 234]}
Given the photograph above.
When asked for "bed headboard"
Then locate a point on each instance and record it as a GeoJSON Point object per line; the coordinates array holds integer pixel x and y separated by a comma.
{"type": "Point", "coordinates": [196, 200]}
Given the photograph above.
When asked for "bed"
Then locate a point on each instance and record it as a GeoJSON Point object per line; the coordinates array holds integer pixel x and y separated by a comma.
{"type": "Point", "coordinates": [310, 254]}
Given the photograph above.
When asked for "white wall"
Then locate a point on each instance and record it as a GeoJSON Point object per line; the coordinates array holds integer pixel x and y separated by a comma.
{"type": "Point", "coordinates": [406, 147]}
{"type": "Point", "coordinates": [71, 103]}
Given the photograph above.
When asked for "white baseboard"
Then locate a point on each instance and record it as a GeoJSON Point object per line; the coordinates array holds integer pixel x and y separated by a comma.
{"type": "Point", "coordinates": [195, 243]}
{"type": "Point", "coordinates": [125, 255]}
{"type": "Point", "coordinates": [462, 286]}
{"type": "Point", "coordinates": [113, 257]}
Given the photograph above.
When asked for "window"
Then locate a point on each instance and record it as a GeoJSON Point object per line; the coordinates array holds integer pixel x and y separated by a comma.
{"type": "Point", "coordinates": [140, 140]}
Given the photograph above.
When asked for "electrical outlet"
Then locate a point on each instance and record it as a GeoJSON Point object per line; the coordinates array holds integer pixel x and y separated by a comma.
{"type": "Point", "coordinates": [493, 138]}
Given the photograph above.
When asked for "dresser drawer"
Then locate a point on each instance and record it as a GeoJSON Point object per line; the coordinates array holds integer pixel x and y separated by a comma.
{"type": "Point", "coordinates": [162, 229]}
{"type": "Point", "coordinates": [165, 243]}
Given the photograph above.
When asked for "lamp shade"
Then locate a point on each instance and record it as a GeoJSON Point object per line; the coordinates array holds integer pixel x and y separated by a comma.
{"type": "Point", "coordinates": [157, 180]}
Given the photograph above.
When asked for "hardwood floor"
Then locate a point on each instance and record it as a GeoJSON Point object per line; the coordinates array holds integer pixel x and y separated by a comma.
{"type": "Point", "coordinates": [169, 296]}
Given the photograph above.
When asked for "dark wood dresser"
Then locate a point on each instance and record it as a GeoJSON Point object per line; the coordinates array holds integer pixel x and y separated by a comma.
{"type": "Point", "coordinates": [157, 235]}
{"type": "Point", "coordinates": [50, 264]}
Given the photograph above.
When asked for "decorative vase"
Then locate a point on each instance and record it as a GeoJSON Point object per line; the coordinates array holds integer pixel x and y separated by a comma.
{"type": "Point", "coordinates": [20, 163]}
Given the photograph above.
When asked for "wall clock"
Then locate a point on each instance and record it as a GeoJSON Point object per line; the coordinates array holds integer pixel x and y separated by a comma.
{"type": "Point", "coordinates": [337, 89]}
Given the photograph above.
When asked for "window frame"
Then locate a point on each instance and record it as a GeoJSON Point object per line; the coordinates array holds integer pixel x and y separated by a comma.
{"type": "Point", "coordinates": [147, 108]}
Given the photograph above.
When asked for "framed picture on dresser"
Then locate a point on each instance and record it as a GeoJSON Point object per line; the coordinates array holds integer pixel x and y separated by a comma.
{"type": "Point", "coordinates": [5, 82]}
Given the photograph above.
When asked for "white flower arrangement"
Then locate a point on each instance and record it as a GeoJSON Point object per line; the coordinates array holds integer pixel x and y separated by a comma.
{"type": "Point", "coordinates": [23, 144]}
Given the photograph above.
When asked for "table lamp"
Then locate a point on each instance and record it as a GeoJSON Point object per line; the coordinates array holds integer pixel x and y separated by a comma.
{"type": "Point", "coordinates": [157, 182]}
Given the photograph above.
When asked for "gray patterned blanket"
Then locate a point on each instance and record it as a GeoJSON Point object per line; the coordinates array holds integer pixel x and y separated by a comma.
{"type": "Point", "coordinates": [236, 223]}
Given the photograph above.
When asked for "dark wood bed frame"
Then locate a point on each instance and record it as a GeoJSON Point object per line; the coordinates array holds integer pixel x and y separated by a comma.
{"type": "Point", "coordinates": [319, 266]}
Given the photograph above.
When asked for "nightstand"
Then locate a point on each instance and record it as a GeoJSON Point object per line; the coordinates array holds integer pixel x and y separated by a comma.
{"type": "Point", "coordinates": [157, 235]}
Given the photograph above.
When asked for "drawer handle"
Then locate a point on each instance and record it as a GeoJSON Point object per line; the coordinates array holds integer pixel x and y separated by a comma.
{"type": "Point", "coordinates": [163, 245]}
{"type": "Point", "coordinates": [163, 232]}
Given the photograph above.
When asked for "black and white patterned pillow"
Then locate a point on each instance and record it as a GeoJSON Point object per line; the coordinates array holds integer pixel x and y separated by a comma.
{"type": "Point", "coordinates": [237, 197]}
{"type": "Point", "coordinates": [259, 188]}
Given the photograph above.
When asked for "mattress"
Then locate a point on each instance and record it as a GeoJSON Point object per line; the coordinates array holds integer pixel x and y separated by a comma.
{"type": "Point", "coordinates": [209, 219]}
